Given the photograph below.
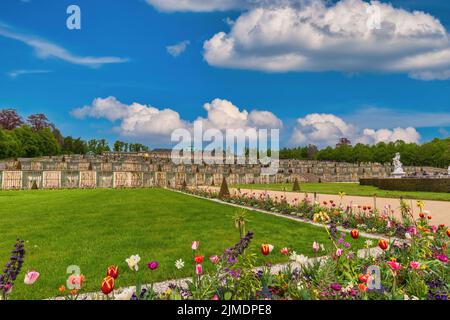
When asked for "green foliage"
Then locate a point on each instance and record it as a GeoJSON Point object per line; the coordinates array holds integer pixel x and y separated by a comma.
{"type": "Point", "coordinates": [240, 219]}
{"type": "Point", "coordinates": [120, 146]}
{"type": "Point", "coordinates": [24, 142]}
{"type": "Point", "coordinates": [40, 138]}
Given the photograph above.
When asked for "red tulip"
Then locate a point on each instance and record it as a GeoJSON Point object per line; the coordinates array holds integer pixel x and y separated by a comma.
{"type": "Point", "coordinates": [429, 217]}
{"type": "Point", "coordinates": [108, 285]}
{"type": "Point", "coordinates": [422, 215]}
{"type": "Point", "coordinates": [383, 244]}
{"type": "Point", "coordinates": [355, 234]}
{"type": "Point", "coordinates": [448, 232]}
{"type": "Point", "coordinates": [265, 249]}
{"type": "Point", "coordinates": [113, 271]}
{"type": "Point", "coordinates": [363, 278]}
{"type": "Point", "coordinates": [363, 287]}
{"type": "Point", "coordinates": [199, 259]}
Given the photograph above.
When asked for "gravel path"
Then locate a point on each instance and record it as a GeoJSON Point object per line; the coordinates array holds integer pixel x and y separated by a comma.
{"type": "Point", "coordinates": [439, 210]}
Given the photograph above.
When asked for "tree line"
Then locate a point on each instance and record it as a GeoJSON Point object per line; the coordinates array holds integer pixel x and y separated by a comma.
{"type": "Point", "coordinates": [36, 136]}
{"type": "Point", "coordinates": [435, 153]}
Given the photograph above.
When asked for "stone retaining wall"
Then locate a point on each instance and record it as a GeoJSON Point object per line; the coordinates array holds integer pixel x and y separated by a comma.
{"type": "Point", "coordinates": [122, 171]}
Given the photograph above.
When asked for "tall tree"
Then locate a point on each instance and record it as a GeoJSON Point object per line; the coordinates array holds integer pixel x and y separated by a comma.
{"type": "Point", "coordinates": [39, 121]}
{"type": "Point", "coordinates": [10, 119]}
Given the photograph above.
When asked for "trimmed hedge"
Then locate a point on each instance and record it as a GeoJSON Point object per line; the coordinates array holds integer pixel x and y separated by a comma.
{"type": "Point", "coordinates": [369, 182]}
{"type": "Point", "coordinates": [409, 184]}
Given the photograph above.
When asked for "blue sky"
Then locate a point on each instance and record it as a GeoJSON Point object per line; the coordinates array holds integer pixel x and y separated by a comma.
{"type": "Point", "coordinates": [122, 51]}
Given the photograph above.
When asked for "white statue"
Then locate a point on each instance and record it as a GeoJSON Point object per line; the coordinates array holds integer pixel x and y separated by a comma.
{"type": "Point", "coordinates": [448, 170]}
{"type": "Point", "coordinates": [398, 166]}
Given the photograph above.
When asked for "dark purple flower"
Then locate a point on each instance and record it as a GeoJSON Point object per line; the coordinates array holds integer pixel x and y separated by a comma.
{"type": "Point", "coordinates": [13, 267]}
{"type": "Point", "coordinates": [152, 265]}
{"type": "Point", "coordinates": [232, 253]}
{"type": "Point", "coordinates": [336, 286]}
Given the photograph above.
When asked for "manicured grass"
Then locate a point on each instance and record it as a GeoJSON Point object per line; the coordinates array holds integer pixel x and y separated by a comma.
{"type": "Point", "coordinates": [96, 228]}
{"type": "Point", "coordinates": [351, 189]}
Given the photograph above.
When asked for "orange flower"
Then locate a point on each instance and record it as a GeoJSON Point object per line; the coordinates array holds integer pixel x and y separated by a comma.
{"type": "Point", "coordinates": [448, 232]}
{"type": "Point", "coordinates": [393, 259]}
{"type": "Point", "coordinates": [429, 217]}
{"type": "Point", "coordinates": [363, 287]}
{"type": "Point", "coordinates": [422, 215]}
{"type": "Point", "coordinates": [383, 244]}
{"type": "Point", "coordinates": [62, 289]}
{"type": "Point", "coordinates": [113, 271]}
{"type": "Point", "coordinates": [74, 292]}
{"type": "Point", "coordinates": [354, 233]}
{"type": "Point", "coordinates": [108, 285]}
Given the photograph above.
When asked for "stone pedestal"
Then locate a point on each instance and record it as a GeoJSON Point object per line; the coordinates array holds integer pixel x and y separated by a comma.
{"type": "Point", "coordinates": [398, 174]}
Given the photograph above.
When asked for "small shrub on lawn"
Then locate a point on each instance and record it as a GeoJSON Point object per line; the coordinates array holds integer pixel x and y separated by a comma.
{"type": "Point", "coordinates": [296, 187]}
{"type": "Point", "coordinates": [224, 191]}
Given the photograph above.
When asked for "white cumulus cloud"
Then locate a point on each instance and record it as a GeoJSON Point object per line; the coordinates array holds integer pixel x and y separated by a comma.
{"type": "Point", "coordinates": [135, 119]}
{"type": "Point", "coordinates": [223, 114]}
{"type": "Point", "coordinates": [344, 37]}
{"type": "Point", "coordinates": [327, 129]}
{"type": "Point", "coordinates": [144, 121]}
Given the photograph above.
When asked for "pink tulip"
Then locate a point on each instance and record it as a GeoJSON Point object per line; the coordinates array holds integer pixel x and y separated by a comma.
{"type": "Point", "coordinates": [339, 252]}
{"type": "Point", "coordinates": [394, 265]}
{"type": "Point", "coordinates": [315, 246]}
{"type": "Point", "coordinates": [198, 269]}
{"type": "Point", "coordinates": [31, 277]}
{"type": "Point", "coordinates": [284, 251]}
{"type": "Point", "coordinates": [415, 265]}
{"type": "Point", "coordinates": [214, 259]}
{"type": "Point", "coordinates": [216, 297]}
{"type": "Point", "coordinates": [195, 245]}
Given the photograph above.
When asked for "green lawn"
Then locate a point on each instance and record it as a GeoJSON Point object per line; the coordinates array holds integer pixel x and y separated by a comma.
{"type": "Point", "coordinates": [96, 228]}
{"type": "Point", "coordinates": [353, 189]}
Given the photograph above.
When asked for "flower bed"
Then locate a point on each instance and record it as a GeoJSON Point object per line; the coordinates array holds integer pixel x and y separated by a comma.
{"type": "Point", "coordinates": [362, 217]}
{"type": "Point", "coordinates": [416, 270]}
